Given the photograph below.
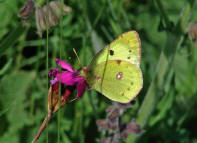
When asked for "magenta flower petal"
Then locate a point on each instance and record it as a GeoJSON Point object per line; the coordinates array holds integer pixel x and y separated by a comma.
{"type": "Point", "coordinates": [81, 87]}
{"type": "Point", "coordinates": [68, 78]}
{"type": "Point", "coordinates": [53, 72]}
{"type": "Point", "coordinates": [54, 81]}
{"type": "Point", "coordinates": [64, 65]}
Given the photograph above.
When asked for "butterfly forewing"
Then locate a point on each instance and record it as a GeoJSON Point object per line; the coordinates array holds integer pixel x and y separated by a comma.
{"type": "Point", "coordinates": [126, 47]}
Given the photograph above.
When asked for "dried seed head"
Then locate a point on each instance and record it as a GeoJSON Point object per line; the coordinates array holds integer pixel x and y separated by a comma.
{"type": "Point", "coordinates": [52, 18]}
{"type": "Point", "coordinates": [40, 20]}
{"type": "Point", "coordinates": [193, 31]}
{"type": "Point", "coordinates": [26, 11]}
{"type": "Point", "coordinates": [59, 9]}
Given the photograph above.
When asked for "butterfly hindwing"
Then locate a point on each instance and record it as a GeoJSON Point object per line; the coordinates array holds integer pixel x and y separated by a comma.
{"type": "Point", "coordinates": [118, 80]}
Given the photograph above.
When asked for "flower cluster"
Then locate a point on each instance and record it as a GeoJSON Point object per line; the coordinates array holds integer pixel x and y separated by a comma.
{"type": "Point", "coordinates": [113, 126]}
{"type": "Point", "coordinates": [52, 13]}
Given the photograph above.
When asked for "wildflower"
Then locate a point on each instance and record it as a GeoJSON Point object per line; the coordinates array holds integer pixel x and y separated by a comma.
{"type": "Point", "coordinates": [114, 127]}
{"type": "Point", "coordinates": [68, 76]}
{"type": "Point", "coordinates": [40, 20]}
{"type": "Point", "coordinates": [53, 97]}
{"type": "Point", "coordinates": [59, 9]}
{"type": "Point", "coordinates": [26, 11]}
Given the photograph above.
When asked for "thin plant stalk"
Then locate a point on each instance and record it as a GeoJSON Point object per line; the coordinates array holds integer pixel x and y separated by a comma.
{"type": "Point", "coordinates": [41, 129]}
{"type": "Point", "coordinates": [60, 57]}
{"type": "Point", "coordinates": [47, 64]}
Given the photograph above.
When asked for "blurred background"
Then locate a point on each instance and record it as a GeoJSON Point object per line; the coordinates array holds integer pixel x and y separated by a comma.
{"type": "Point", "coordinates": [165, 108]}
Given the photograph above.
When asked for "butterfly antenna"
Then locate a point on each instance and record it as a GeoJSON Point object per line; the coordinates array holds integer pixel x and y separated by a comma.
{"type": "Point", "coordinates": [77, 57]}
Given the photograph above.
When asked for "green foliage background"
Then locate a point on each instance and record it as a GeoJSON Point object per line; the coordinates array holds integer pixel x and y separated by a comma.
{"type": "Point", "coordinates": [165, 108]}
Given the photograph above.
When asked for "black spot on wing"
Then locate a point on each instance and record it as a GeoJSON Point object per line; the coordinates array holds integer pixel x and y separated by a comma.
{"type": "Point", "coordinates": [111, 52]}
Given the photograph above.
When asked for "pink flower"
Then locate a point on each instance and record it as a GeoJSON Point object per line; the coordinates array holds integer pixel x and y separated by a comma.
{"type": "Point", "coordinates": [68, 76]}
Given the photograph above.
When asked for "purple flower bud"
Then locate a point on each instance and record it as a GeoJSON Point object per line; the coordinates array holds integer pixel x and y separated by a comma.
{"type": "Point", "coordinates": [113, 125]}
{"type": "Point", "coordinates": [40, 20]}
{"type": "Point", "coordinates": [115, 138]}
{"type": "Point", "coordinates": [124, 134]}
{"type": "Point", "coordinates": [114, 114]}
{"type": "Point", "coordinates": [133, 127]}
{"type": "Point", "coordinates": [52, 18]}
{"type": "Point", "coordinates": [102, 124]}
{"type": "Point", "coordinates": [109, 109]}
{"type": "Point", "coordinates": [105, 140]}
{"type": "Point", "coordinates": [26, 11]}
{"type": "Point", "coordinates": [193, 31]}
{"type": "Point", "coordinates": [59, 9]}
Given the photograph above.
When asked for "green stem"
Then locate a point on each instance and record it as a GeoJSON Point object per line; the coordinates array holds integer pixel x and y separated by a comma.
{"type": "Point", "coordinates": [40, 2]}
{"type": "Point", "coordinates": [47, 66]}
{"type": "Point", "coordinates": [163, 13]}
{"type": "Point", "coordinates": [60, 57]}
{"type": "Point", "coordinates": [99, 14]}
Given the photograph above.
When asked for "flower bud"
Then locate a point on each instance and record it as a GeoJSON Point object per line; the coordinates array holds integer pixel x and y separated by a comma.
{"type": "Point", "coordinates": [109, 109]}
{"type": "Point", "coordinates": [26, 11]}
{"type": "Point", "coordinates": [102, 124]}
{"type": "Point", "coordinates": [114, 114]}
{"type": "Point", "coordinates": [133, 127]}
{"type": "Point", "coordinates": [124, 134]}
{"type": "Point", "coordinates": [52, 18]}
{"type": "Point", "coordinates": [59, 9]}
{"type": "Point", "coordinates": [105, 140]}
{"type": "Point", "coordinates": [193, 31]}
{"type": "Point", "coordinates": [40, 20]}
{"type": "Point", "coordinates": [53, 97]}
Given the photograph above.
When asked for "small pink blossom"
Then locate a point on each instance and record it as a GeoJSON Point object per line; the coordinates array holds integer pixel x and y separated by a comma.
{"type": "Point", "coordinates": [68, 76]}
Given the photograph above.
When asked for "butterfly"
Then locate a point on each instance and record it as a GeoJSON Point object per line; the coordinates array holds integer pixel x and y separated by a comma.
{"type": "Point", "coordinates": [115, 70]}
